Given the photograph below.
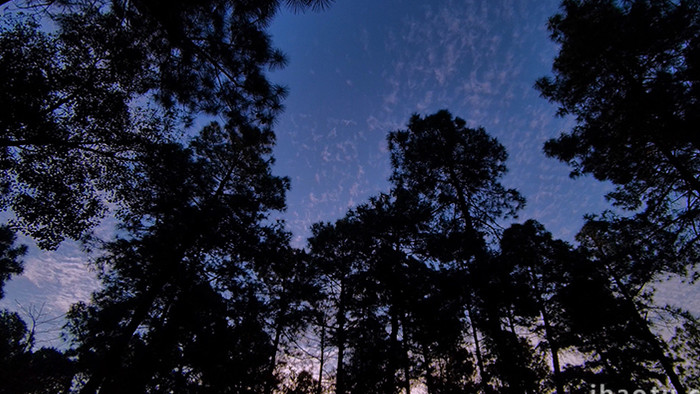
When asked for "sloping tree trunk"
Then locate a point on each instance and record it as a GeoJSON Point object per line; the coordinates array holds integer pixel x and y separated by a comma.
{"type": "Point", "coordinates": [651, 338]}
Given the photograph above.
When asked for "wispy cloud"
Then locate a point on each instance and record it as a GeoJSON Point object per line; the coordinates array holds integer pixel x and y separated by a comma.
{"type": "Point", "coordinates": [50, 284]}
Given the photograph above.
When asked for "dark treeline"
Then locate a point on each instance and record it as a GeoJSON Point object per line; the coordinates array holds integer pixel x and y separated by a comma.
{"type": "Point", "coordinates": [419, 289]}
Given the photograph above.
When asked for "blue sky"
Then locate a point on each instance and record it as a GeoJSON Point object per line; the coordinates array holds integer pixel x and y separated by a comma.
{"type": "Point", "coordinates": [361, 68]}
{"type": "Point", "coordinates": [358, 71]}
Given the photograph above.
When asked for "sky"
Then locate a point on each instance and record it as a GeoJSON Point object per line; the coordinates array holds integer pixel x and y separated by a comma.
{"type": "Point", "coordinates": [359, 70]}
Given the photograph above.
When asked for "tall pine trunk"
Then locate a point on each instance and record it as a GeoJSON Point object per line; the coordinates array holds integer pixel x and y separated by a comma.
{"type": "Point", "coordinates": [273, 359]}
{"type": "Point", "coordinates": [340, 340]}
{"type": "Point", "coordinates": [322, 359]}
{"type": "Point", "coordinates": [554, 349]}
{"type": "Point", "coordinates": [483, 376]}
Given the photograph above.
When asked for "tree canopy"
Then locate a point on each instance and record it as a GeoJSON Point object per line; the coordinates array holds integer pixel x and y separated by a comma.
{"type": "Point", "coordinates": [425, 287]}
{"type": "Point", "coordinates": [628, 72]}
{"type": "Point", "coordinates": [115, 78]}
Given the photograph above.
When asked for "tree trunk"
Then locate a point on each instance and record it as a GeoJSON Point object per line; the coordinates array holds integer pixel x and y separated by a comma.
{"type": "Point", "coordinates": [340, 339]}
{"type": "Point", "coordinates": [404, 356]}
{"type": "Point", "coordinates": [163, 251]}
{"type": "Point", "coordinates": [477, 350]}
{"type": "Point", "coordinates": [322, 360]}
{"type": "Point", "coordinates": [554, 349]}
{"type": "Point", "coordinates": [112, 359]}
{"type": "Point", "coordinates": [653, 340]}
{"type": "Point", "coordinates": [406, 372]}
{"type": "Point", "coordinates": [655, 343]}
{"type": "Point", "coordinates": [429, 383]}
{"type": "Point", "coordinates": [273, 359]}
